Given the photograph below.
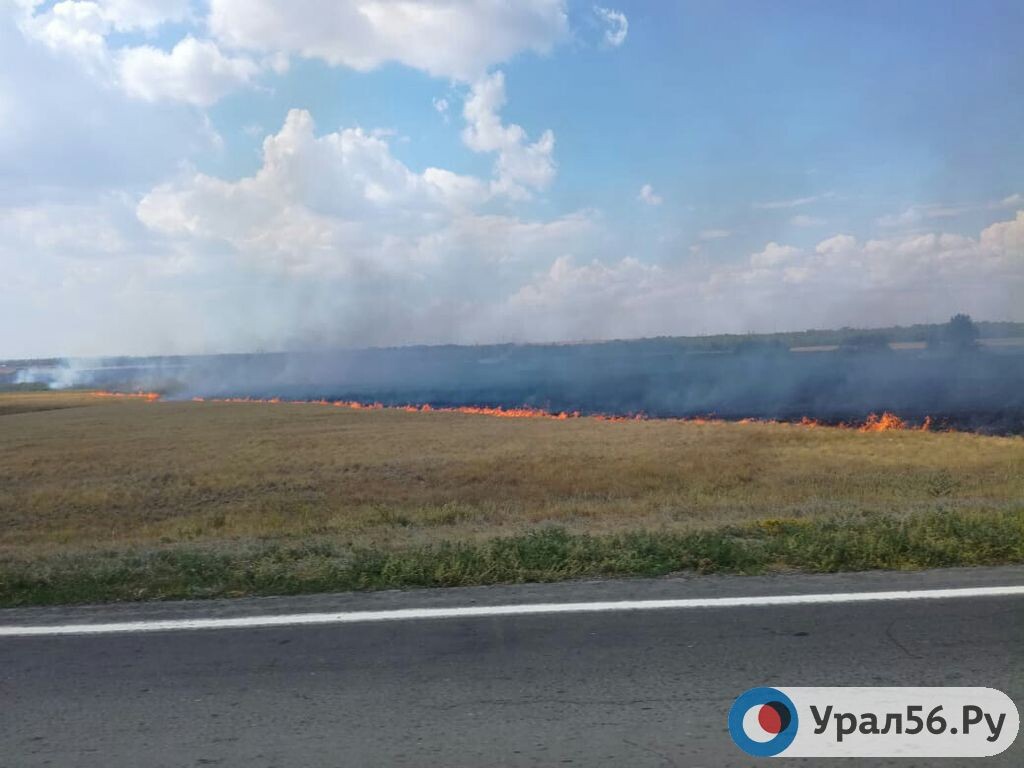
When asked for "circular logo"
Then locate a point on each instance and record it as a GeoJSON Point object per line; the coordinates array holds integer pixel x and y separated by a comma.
{"type": "Point", "coordinates": [763, 722]}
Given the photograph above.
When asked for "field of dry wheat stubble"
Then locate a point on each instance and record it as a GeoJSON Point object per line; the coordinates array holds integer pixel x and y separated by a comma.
{"type": "Point", "coordinates": [92, 483]}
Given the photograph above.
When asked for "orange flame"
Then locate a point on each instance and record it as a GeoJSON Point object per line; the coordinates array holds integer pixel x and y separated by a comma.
{"type": "Point", "coordinates": [885, 423]}
{"type": "Point", "coordinates": [874, 423]}
{"type": "Point", "coordinates": [149, 396]}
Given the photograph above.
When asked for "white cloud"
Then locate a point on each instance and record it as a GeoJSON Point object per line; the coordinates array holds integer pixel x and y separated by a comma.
{"type": "Point", "coordinates": [1006, 238]}
{"type": "Point", "coordinates": [81, 270]}
{"type": "Point", "coordinates": [445, 38]}
{"type": "Point", "coordinates": [82, 26]}
{"type": "Point", "coordinates": [521, 166]}
{"type": "Point", "coordinates": [804, 221]}
{"type": "Point", "coordinates": [442, 107]}
{"type": "Point", "coordinates": [773, 255]}
{"type": "Point", "coordinates": [194, 71]}
{"type": "Point", "coordinates": [713, 234]}
{"type": "Point", "coordinates": [337, 203]}
{"type": "Point", "coordinates": [920, 213]}
{"type": "Point", "coordinates": [66, 131]}
{"type": "Point", "coordinates": [917, 214]}
{"type": "Point", "coordinates": [616, 25]}
{"type": "Point", "coordinates": [374, 253]}
{"type": "Point", "coordinates": [359, 248]}
{"type": "Point", "coordinates": [127, 15]}
{"type": "Point", "coordinates": [71, 26]}
{"type": "Point", "coordinates": [84, 231]}
{"type": "Point", "coordinates": [476, 239]}
{"type": "Point", "coordinates": [333, 231]}
{"type": "Point", "coordinates": [459, 40]}
{"type": "Point", "coordinates": [840, 281]}
{"type": "Point", "coordinates": [836, 244]}
{"type": "Point", "coordinates": [648, 195]}
{"type": "Point", "coordinates": [595, 300]}
{"type": "Point", "coordinates": [795, 202]}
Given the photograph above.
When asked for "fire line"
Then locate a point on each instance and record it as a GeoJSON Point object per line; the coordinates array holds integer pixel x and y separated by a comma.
{"type": "Point", "coordinates": [884, 422]}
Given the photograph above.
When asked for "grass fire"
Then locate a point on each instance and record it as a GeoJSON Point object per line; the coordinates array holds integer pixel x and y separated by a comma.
{"type": "Point", "coordinates": [883, 422]}
{"type": "Point", "coordinates": [124, 496]}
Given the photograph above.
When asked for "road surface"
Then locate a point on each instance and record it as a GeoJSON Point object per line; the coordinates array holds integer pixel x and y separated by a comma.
{"type": "Point", "coordinates": [610, 688]}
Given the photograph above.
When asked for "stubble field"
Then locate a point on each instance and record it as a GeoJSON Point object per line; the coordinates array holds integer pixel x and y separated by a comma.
{"type": "Point", "coordinates": [123, 499]}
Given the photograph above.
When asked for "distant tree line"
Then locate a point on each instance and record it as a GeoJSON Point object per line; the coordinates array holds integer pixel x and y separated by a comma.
{"type": "Point", "coordinates": [960, 333]}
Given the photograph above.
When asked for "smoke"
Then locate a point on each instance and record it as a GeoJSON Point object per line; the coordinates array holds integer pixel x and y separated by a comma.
{"type": "Point", "coordinates": [976, 389]}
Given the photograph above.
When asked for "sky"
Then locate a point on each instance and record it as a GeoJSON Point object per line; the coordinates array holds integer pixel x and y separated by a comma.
{"type": "Point", "coordinates": [197, 176]}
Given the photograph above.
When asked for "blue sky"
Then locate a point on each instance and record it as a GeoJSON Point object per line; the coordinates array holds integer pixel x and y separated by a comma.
{"type": "Point", "coordinates": [184, 176]}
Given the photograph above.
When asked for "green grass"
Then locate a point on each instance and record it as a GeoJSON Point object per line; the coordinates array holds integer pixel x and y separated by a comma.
{"type": "Point", "coordinates": [927, 540]}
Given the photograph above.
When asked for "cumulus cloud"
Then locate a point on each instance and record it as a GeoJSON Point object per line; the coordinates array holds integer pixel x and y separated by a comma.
{"type": "Point", "coordinates": [1005, 241]}
{"type": "Point", "coordinates": [616, 25]}
{"type": "Point", "coordinates": [336, 240]}
{"type": "Point", "coordinates": [375, 253]}
{"type": "Point", "coordinates": [72, 26]}
{"type": "Point", "coordinates": [773, 255]}
{"type": "Point", "coordinates": [840, 281]}
{"type": "Point", "coordinates": [193, 71]}
{"type": "Point", "coordinates": [569, 300]}
{"type": "Point", "coordinates": [647, 195]}
{"type": "Point", "coordinates": [521, 165]}
{"type": "Point", "coordinates": [64, 131]}
{"type": "Point", "coordinates": [458, 39]}
{"type": "Point", "coordinates": [340, 203]}
{"type": "Point", "coordinates": [127, 15]}
{"type": "Point", "coordinates": [82, 26]}
{"type": "Point", "coordinates": [333, 238]}
{"type": "Point", "coordinates": [461, 40]}
{"type": "Point", "coordinates": [360, 249]}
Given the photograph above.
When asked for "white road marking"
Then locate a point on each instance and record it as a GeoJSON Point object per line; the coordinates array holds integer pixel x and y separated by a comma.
{"type": "Point", "coordinates": [469, 612]}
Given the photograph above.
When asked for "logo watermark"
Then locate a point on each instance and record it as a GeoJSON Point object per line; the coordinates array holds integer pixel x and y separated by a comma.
{"type": "Point", "coordinates": [873, 722]}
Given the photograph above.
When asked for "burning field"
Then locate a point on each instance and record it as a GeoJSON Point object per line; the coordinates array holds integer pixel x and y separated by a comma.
{"type": "Point", "coordinates": [122, 497]}
{"type": "Point", "coordinates": [874, 422]}
{"type": "Point", "coordinates": [978, 389]}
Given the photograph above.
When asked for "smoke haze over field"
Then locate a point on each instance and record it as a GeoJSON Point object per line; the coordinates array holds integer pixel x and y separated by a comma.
{"type": "Point", "coordinates": [203, 176]}
{"type": "Point", "coordinates": [967, 388]}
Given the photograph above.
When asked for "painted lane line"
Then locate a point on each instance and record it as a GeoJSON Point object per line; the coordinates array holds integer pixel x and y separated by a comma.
{"type": "Point", "coordinates": [469, 612]}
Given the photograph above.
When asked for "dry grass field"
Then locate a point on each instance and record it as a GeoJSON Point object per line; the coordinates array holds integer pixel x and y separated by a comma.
{"type": "Point", "coordinates": [88, 483]}
{"type": "Point", "coordinates": [31, 401]}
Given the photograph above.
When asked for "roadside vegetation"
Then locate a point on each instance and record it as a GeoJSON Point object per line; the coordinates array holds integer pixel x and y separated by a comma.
{"type": "Point", "coordinates": [106, 499]}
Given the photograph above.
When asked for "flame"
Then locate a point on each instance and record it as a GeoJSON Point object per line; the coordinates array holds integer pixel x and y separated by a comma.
{"type": "Point", "coordinates": [148, 396]}
{"type": "Point", "coordinates": [884, 422]}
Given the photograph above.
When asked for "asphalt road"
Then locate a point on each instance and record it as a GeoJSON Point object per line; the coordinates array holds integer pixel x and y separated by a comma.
{"type": "Point", "coordinates": [628, 689]}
